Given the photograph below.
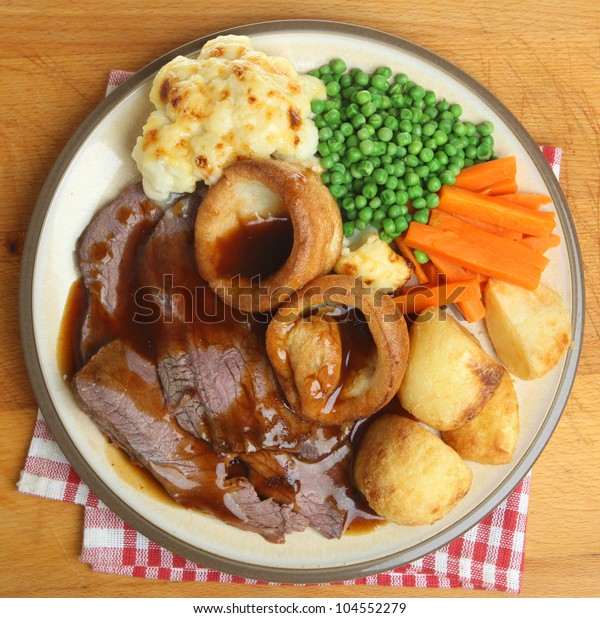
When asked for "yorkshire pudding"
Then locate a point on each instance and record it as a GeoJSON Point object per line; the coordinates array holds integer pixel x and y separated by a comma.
{"type": "Point", "coordinates": [265, 229]}
{"type": "Point", "coordinates": [339, 350]}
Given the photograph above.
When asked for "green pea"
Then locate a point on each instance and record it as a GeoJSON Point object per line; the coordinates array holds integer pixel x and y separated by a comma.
{"type": "Point", "coordinates": [317, 106]}
{"type": "Point", "coordinates": [442, 157]}
{"type": "Point", "coordinates": [411, 179]}
{"type": "Point", "coordinates": [315, 73]}
{"type": "Point", "coordinates": [388, 197]}
{"type": "Point", "coordinates": [433, 200]}
{"type": "Point", "coordinates": [379, 82]}
{"type": "Point", "coordinates": [360, 225]}
{"type": "Point", "coordinates": [375, 121]}
{"type": "Point", "coordinates": [419, 203]}
{"type": "Point", "coordinates": [394, 211]}
{"type": "Point", "coordinates": [421, 216]}
{"type": "Point", "coordinates": [391, 149]}
{"type": "Point", "coordinates": [366, 147]}
{"type": "Point", "coordinates": [345, 81]}
{"type": "Point", "coordinates": [368, 109]}
{"type": "Point", "coordinates": [434, 184]}
{"type": "Point", "coordinates": [385, 134]}
{"type": "Point", "coordinates": [346, 129]}
{"type": "Point", "coordinates": [471, 129]}
{"type": "Point", "coordinates": [397, 100]}
{"type": "Point", "coordinates": [337, 65]}
{"type": "Point", "coordinates": [411, 160]}
{"type": "Point", "coordinates": [369, 190]}
{"type": "Point", "coordinates": [380, 176]}
{"type": "Point", "coordinates": [327, 161]}
{"type": "Point", "coordinates": [420, 256]}
{"type": "Point", "coordinates": [415, 147]}
{"type": "Point", "coordinates": [388, 225]}
{"type": "Point", "coordinates": [422, 171]}
{"type": "Point", "coordinates": [348, 228]}
{"type": "Point", "coordinates": [455, 169]}
{"type": "Point", "coordinates": [450, 150]}
{"type": "Point", "coordinates": [485, 128]}
{"type": "Point", "coordinates": [379, 215]}
{"type": "Point", "coordinates": [332, 117]}
{"type": "Point", "coordinates": [358, 120]}
{"type": "Point", "coordinates": [366, 168]}
{"type": "Point", "coordinates": [429, 128]}
{"type": "Point", "coordinates": [405, 126]}
{"type": "Point", "coordinates": [415, 191]}
{"type": "Point", "coordinates": [426, 155]}
{"type": "Point", "coordinates": [443, 105]}
{"type": "Point", "coordinates": [401, 79]}
{"type": "Point", "coordinates": [392, 181]}
{"type": "Point", "coordinates": [416, 114]}
{"type": "Point", "coordinates": [384, 71]}
{"type": "Point", "coordinates": [434, 165]}
{"type": "Point", "coordinates": [360, 201]}
{"type": "Point", "coordinates": [445, 126]}
{"type": "Point", "coordinates": [400, 224]}
{"type": "Point", "coordinates": [361, 78]}
{"type": "Point", "coordinates": [336, 178]}
{"type": "Point", "coordinates": [362, 97]}
{"type": "Point", "coordinates": [447, 178]}
{"type": "Point", "coordinates": [401, 197]}
{"type": "Point", "coordinates": [332, 89]}
{"type": "Point", "coordinates": [338, 191]}
{"type": "Point", "coordinates": [366, 214]}
{"type": "Point", "coordinates": [484, 152]}
{"type": "Point", "coordinates": [403, 138]}
{"type": "Point", "coordinates": [440, 137]}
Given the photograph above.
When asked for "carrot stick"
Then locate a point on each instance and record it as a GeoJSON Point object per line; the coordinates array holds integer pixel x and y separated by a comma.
{"type": "Point", "coordinates": [495, 210]}
{"type": "Point", "coordinates": [470, 232]}
{"type": "Point", "coordinates": [419, 297]}
{"type": "Point", "coordinates": [507, 185]}
{"type": "Point", "coordinates": [482, 175]}
{"type": "Point", "coordinates": [476, 257]}
{"type": "Point", "coordinates": [410, 256]}
{"type": "Point", "coordinates": [431, 272]}
{"type": "Point", "coordinates": [492, 228]}
{"type": "Point", "coordinates": [541, 245]}
{"type": "Point", "coordinates": [472, 310]}
{"type": "Point", "coordinates": [529, 200]}
{"type": "Point", "coordinates": [453, 271]}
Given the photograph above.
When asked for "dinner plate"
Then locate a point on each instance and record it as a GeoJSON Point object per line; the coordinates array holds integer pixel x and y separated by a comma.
{"type": "Point", "coordinates": [96, 164]}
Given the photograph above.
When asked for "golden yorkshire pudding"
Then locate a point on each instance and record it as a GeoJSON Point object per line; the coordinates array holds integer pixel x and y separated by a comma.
{"type": "Point", "coordinates": [339, 350]}
{"type": "Point", "coordinates": [264, 230]}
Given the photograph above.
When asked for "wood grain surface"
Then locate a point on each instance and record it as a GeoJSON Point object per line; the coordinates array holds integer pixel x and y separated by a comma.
{"type": "Point", "coordinates": [540, 58]}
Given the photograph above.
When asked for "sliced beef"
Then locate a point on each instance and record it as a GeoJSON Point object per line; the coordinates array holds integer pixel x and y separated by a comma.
{"type": "Point", "coordinates": [211, 358]}
{"type": "Point", "coordinates": [106, 251]}
{"type": "Point", "coordinates": [320, 491]}
{"type": "Point", "coordinates": [119, 389]}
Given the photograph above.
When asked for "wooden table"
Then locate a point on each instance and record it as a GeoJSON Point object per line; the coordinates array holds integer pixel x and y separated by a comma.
{"type": "Point", "coordinates": [540, 59]}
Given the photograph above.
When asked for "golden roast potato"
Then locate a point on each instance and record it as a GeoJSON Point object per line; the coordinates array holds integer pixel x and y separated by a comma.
{"type": "Point", "coordinates": [407, 474]}
{"type": "Point", "coordinates": [449, 377]}
{"type": "Point", "coordinates": [530, 330]}
{"type": "Point", "coordinates": [491, 437]}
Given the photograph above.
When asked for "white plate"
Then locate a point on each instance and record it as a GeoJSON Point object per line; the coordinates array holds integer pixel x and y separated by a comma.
{"type": "Point", "coordinates": [97, 164]}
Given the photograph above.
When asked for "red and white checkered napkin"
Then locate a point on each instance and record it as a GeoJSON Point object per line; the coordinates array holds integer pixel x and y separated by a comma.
{"type": "Point", "coordinates": [489, 556]}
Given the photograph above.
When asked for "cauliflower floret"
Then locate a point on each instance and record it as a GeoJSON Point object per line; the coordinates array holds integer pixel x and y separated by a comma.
{"type": "Point", "coordinates": [367, 256]}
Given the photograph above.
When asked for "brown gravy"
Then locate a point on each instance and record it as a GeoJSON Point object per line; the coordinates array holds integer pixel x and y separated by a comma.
{"type": "Point", "coordinates": [256, 248]}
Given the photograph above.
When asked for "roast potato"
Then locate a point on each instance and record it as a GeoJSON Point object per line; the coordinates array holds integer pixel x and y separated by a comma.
{"type": "Point", "coordinates": [530, 330]}
{"type": "Point", "coordinates": [449, 377]}
{"type": "Point", "coordinates": [407, 474]}
{"type": "Point", "coordinates": [491, 437]}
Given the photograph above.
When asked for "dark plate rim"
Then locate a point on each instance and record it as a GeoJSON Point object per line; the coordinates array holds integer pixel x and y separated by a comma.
{"type": "Point", "coordinates": [273, 573]}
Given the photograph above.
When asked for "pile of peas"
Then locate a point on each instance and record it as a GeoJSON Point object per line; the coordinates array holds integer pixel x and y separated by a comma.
{"type": "Point", "coordinates": [388, 144]}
